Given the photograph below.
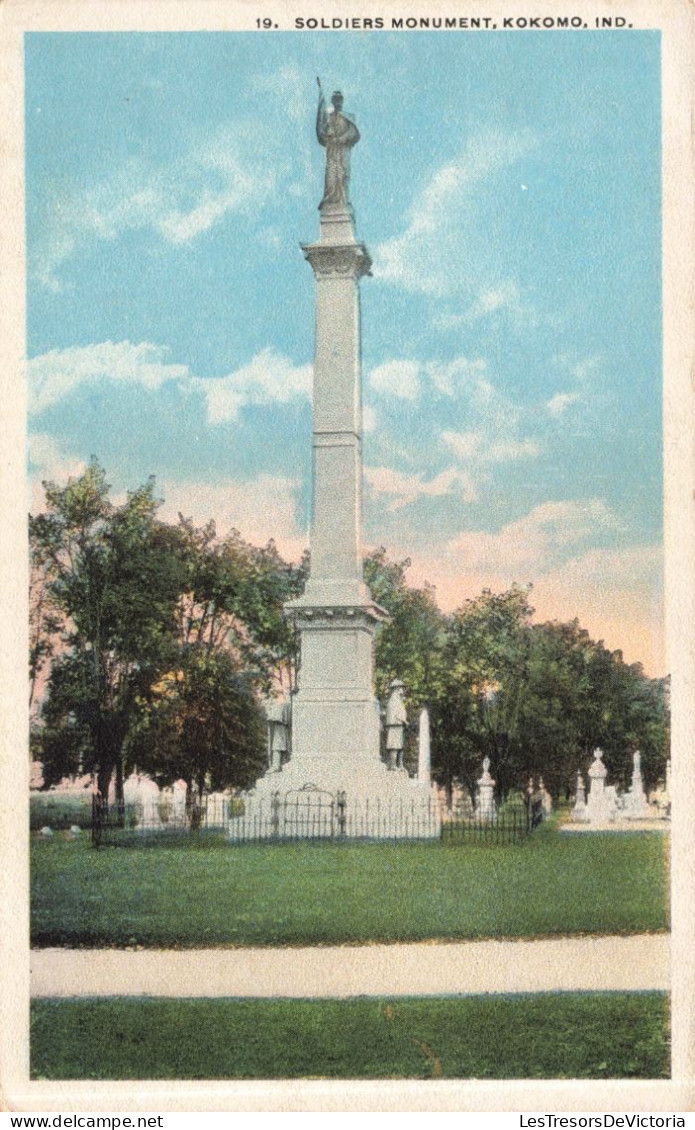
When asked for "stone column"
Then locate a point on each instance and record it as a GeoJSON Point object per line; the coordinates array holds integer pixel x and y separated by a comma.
{"type": "Point", "coordinates": [335, 716]}
{"type": "Point", "coordinates": [635, 804]}
{"type": "Point", "coordinates": [423, 751]}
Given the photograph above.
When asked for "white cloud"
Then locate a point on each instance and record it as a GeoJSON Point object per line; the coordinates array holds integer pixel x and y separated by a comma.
{"type": "Point", "coordinates": [50, 460]}
{"type": "Point", "coordinates": [581, 369]}
{"type": "Point", "coordinates": [177, 201]}
{"type": "Point", "coordinates": [460, 375]}
{"type": "Point", "coordinates": [494, 423]}
{"type": "Point", "coordinates": [268, 377]}
{"type": "Point", "coordinates": [539, 544]}
{"type": "Point", "coordinates": [533, 544]}
{"type": "Point", "coordinates": [54, 376]}
{"type": "Point", "coordinates": [429, 256]}
{"type": "Point", "coordinates": [406, 378]}
{"type": "Point", "coordinates": [405, 489]}
{"type": "Point", "coordinates": [617, 594]}
{"type": "Point", "coordinates": [289, 87]}
{"type": "Point", "coordinates": [590, 396]}
{"type": "Point", "coordinates": [476, 447]}
{"type": "Point", "coordinates": [465, 445]}
{"type": "Point", "coordinates": [507, 451]}
{"type": "Point", "coordinates": [397, 378]}
{"type": "Point", "coordinates": [260, 509]}
{"type": "Point", "coordinates": [558, 404]}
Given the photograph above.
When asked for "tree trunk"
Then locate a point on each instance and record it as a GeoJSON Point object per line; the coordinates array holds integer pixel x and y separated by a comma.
{"type": "Point", "coordinates": [119, 778]}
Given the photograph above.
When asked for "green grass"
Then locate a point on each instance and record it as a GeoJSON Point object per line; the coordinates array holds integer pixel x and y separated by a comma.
{"type": "Point", "coordinates": [305, 893]}
{"type": "Point", "coordinates": [544, 1036]}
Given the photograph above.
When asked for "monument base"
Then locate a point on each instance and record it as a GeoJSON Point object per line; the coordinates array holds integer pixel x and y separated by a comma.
{"type": "Point", "coordinates": [315, 798]}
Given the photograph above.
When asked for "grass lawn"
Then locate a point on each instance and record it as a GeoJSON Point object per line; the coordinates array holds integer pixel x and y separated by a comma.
{"type": "Point", "coordinates": [543, 1036]}
{"type": "Point", "coordinates": [304, 893]}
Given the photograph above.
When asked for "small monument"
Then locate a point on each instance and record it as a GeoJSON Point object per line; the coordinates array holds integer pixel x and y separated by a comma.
{"type": "Point", "coordinates": [460, 805]}
{"type": "Point", "coordinates": [635, 806]}
{"type": "Point", "coordinates": [601, 803]}
{"type": "Point", "coordinates": [661, 796]}
{"type": "Point", "coordinates": [579, 806]}
{"type": "Point", "coordinates": [546, 799]}
{"type": "Point", "coordinates": [217, 810]}
{"type": "Point", "coordinates": [179, 794]}
{"type": "Point", "coordinates": [486, 808]}
{"type": "Point", "coordinates": [142, 795]}
{"type": "Point", "coordinates": [424, 766]}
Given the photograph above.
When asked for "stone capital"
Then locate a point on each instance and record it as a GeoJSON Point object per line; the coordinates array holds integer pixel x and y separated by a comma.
{"type": "Point", "coordinates": [337, 618]}
{"type": "Point", "coordinates": [347, 260]}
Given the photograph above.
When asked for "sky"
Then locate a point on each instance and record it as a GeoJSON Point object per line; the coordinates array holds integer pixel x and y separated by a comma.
{"type": "Point", "coordinates": [507, 185]}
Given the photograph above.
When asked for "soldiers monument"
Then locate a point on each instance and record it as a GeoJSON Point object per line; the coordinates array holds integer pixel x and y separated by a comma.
{"type": "Point", "coordinates": [334, 746]}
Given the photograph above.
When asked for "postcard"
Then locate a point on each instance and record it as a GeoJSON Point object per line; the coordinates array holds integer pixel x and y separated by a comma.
{"type": "Point", "coordinates": [347, 386]}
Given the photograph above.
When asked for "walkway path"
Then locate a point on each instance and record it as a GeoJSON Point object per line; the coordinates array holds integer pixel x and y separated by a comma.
{"type": "Point", "coordinates": [638, 962]}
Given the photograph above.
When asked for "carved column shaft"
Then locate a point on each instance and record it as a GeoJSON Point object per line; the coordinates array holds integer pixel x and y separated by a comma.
{"type": "Point", "coordinates": [336, 550]}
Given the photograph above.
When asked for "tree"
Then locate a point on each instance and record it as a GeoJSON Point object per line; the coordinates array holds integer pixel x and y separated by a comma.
{"type": "Point", "coordinates": [477, 711]}
{"type": "Point", "coordinates": [154, 640]}
{"type": "Point", "coordinates": [203, 724]}
{"type": "Point", "coordinates": [112, 582]}
{"type": "Point", "coordinates": [233, 597]}
{"type": "Point", "coordinates": [409, 642]}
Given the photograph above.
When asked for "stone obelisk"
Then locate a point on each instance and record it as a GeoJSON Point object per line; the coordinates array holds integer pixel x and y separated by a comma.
{"type": "Point", "coordinates": [335, 717]}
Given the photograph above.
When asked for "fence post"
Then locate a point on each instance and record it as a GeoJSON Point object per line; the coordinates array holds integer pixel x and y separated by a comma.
{"type": "Point", "coordinates": [341, 803]}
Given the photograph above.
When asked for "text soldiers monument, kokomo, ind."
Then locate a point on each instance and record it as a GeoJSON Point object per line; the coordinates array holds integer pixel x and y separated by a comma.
{"type": "Point", "coordinates": [335, 718]}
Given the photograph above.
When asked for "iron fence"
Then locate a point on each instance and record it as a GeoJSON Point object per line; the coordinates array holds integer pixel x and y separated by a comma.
{"type": "Point", "coordinates": [308, 815]}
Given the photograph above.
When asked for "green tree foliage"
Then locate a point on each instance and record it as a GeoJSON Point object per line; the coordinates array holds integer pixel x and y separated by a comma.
{"type": "Point", "coordinates": [233, 595]}
{"type": "Point", "coordinates": [111, 581]}
{"type": "Point", "coordinates": [408, 644]}
{"type": "Point", "coordinates": [120, 600]}
{"type": "Point", "coordinates": [153, 642]}
{"type": "Point", "coordinates": [537, 699]}
{"type": "Point", "coordinates": [477, 708]}
{"type": "Point", "coordinates": [203, 724]}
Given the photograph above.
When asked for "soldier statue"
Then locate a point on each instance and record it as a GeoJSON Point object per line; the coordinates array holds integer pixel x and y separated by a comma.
{"type": "Point", "coordinates": [337, 133]}
{"type": "Point", "coordinates": [278, 717]}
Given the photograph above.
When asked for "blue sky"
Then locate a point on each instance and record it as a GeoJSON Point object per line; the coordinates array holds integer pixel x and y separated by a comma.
{"type": "Point", "coordinates": [507, 185]}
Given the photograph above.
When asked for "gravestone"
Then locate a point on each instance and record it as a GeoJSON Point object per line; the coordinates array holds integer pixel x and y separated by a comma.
{"type": "Point", "coordinates": [179, 793]}
{"type": "Point", "coordinates": [601, 803]}
{"type": "Point", "coordinates": [579, 807]}
{"type": "Point", "coordinates": [546, 799]}
{"type": "Point", "coordinates": [141, 794]}
{"type": "Point", "coordinates": [486, 809]}
{"type": "Point", "coordinates": [217, 810]}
